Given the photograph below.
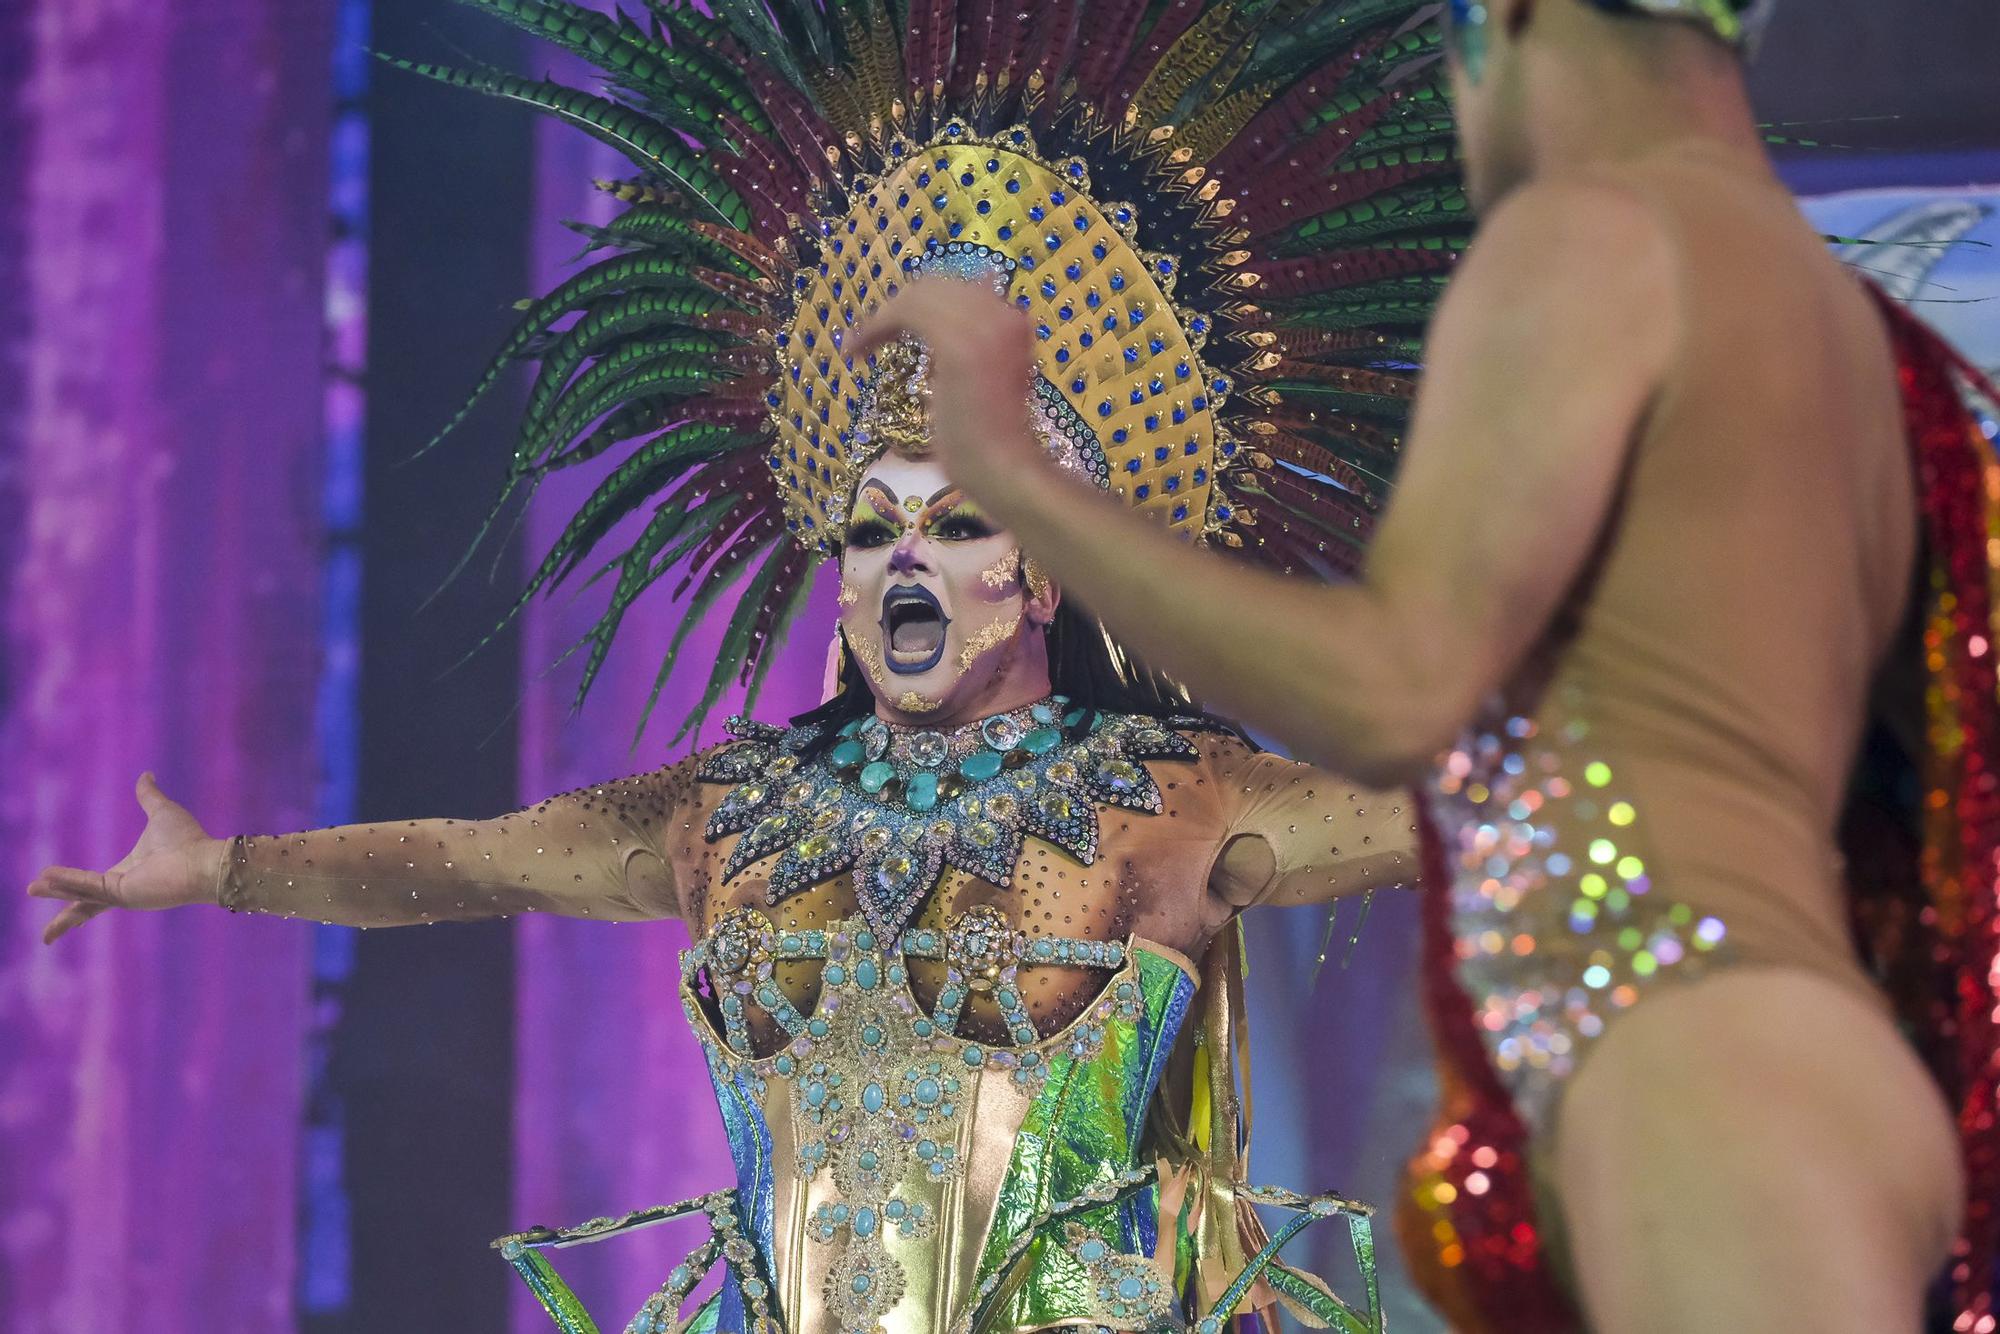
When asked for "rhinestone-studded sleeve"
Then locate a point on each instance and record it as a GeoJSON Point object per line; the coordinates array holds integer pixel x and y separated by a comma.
{"type": "Point", "coordinates": [595, 852]}
{"type": "Point", "coordinates": [1302, 835]}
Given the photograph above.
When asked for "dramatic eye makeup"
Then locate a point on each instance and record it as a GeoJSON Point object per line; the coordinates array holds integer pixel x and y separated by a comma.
{"type": "Point", "coordinates": [963, 521]}
{"type": "Point", "coordinates": [869, 528]}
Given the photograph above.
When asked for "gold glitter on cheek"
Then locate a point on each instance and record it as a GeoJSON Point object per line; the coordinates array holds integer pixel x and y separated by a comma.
{"type": "Point", "coordinates": [987, 637]}
{"type": "Point", "coordinates": [850, 596]}
{"type": "Point", "coordinates": [869, 653]}
{"type": "Point", "coordinates": [911, 702]}
{"type": "Point", "coordinates": [1003, 572]}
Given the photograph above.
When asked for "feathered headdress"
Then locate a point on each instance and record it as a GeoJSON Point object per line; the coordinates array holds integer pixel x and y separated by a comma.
{"type": "Point", "coordinates": [1227, 221]}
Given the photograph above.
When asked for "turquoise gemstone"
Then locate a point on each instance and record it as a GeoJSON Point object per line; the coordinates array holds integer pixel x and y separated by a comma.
{"type": "Point", "coordinates": [978, 768]}
{"type": "Point", "coordinates": [1041, 741]}
{"type": "Point", "coordinates": [875, 775]}
{"type": "Point", "coordinates": [923, 793]}
{"type": "Point", "coordinates": [853, 726]}
{"type": "Point", "coordinates": [865, 975]}
{"type": "Point", "coordinates": [871, 1097]}
{"type": "Point", "coordinates": [1043, 714]}
{"type": "Point", "coordinates": [846, 753]}
{"type": "Point", "coordinates": [1072, 718]}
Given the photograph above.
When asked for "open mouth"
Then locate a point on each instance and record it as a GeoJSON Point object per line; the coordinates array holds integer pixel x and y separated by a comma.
{"type": "Point", "coordinates": [913, 626]}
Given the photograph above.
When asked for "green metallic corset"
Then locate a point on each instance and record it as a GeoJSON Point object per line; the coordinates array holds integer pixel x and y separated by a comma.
{"type": "Point", "coordinates": [896, 1178]}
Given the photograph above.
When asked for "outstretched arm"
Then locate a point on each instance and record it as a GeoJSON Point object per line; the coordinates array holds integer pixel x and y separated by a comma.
{"type": "Point", "coordinates": [1303, 835]}
{"type": "Point", "coordinates": [1556, 333]}
{"type": "Point", "coordinates": [596, 852]}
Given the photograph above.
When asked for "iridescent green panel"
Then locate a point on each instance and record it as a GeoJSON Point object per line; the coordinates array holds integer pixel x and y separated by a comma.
{"type": "Point", "coordinates": [1083, 1128]}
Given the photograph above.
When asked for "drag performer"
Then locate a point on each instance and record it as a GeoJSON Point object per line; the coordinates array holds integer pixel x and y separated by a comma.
{"type": "Point", "coordinates": [1682, 498]}
{"type": "Point", "coordinates": [965, 966]}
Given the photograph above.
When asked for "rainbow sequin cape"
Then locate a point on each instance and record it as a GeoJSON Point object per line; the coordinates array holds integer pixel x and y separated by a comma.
{"type": "Point", "coordinates": [1928, 924]}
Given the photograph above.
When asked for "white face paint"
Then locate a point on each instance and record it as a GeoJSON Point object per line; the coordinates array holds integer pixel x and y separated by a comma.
{"type": "Point", "coordinates": [933, 599]}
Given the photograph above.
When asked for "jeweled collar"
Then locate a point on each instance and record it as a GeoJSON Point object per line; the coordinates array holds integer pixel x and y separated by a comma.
{"type": "Point", "coordinates": [897, 805]}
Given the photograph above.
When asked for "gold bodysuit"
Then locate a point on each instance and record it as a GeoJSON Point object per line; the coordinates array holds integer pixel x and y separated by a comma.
{"type": "Point", "coordinates": [917, 1086]}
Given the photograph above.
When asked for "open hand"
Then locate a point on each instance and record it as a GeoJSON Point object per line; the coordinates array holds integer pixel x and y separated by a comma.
{"type": "Point", "coordinates": [982, 370]}
{"type": "Point", "coordinates": [173, 864]}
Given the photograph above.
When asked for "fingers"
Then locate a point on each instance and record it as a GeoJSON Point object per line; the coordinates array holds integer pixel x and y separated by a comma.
{"type": "Point", "coordinates": [68, 920]}
{"type": "Point", "coordinates": [151, 798]}
{"type": "Point", "coordinates": [932, 309]}
{"type": "Point", "coordinates": [74, 884]}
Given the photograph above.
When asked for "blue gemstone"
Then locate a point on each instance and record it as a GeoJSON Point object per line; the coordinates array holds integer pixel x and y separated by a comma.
{"type": "Point", "coordinates": [876, 775]}
{"type": "Point", "coordinates": [1041, 741]}
{"type": "Point", "coordinates": [979, 768]}
{"type": "Point", "coordinates": [923, 792]}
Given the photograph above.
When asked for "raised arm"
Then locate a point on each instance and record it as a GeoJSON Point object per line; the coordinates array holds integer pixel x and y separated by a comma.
{"type": "Point", "coordinates": [1303, 835]}
{"type": "Point", "coordinates": [1545, 355]}
{"type": "Point", "coordinates": [596, 852]}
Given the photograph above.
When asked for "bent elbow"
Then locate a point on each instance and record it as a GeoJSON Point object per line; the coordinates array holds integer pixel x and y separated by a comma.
{"type": "Point", "coordinates": [1397, 739]}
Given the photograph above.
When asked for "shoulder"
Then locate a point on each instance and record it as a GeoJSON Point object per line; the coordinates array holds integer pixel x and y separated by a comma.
{"type": "Point", "coordinates": [1575, 217]}
{"type": "Point", "coordinates": [754, 750]}
{"type": "Point", "coordinates": [1566, 246]}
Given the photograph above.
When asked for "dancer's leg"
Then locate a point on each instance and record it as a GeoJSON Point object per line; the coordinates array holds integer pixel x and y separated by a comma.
{"type": "Point", "coordinates": [1758, 1151]}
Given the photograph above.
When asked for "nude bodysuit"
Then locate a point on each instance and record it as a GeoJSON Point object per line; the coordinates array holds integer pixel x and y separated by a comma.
{"type": "Point", "coordinates": [1657, 792]}
{"type": "Point", "coordinates": [912, 1107]}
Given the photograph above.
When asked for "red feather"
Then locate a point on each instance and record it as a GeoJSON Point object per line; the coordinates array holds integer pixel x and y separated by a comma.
{"type": "Point", "coordinates": [1307, 275]}
{"type": "Point", "coordinates": [1277, 126]}
{"type": "Point", "coordinates": [1107, 36]}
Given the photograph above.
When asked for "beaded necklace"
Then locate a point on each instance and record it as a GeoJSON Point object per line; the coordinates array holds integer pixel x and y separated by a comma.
{"type": "Point", "coordinates": [897, 805]}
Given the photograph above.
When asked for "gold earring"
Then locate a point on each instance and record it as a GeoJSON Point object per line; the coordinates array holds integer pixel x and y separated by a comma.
{"type": "Point", "coordinates": [1036, 578]}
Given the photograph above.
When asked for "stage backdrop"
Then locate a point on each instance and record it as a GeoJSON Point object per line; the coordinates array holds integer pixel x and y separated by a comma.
{"type": "Point", "coordinates": [162, 214]}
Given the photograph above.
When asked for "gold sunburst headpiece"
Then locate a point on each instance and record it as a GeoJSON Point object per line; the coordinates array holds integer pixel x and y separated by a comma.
{"type": "Point", "coordinates": [1121, 389]}
{"type": "Point", "coordinates": [1227, 221]}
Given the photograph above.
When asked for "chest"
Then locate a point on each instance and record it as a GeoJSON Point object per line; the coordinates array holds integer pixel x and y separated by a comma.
{"type": "Point", "coordinates": [1097, 838]}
